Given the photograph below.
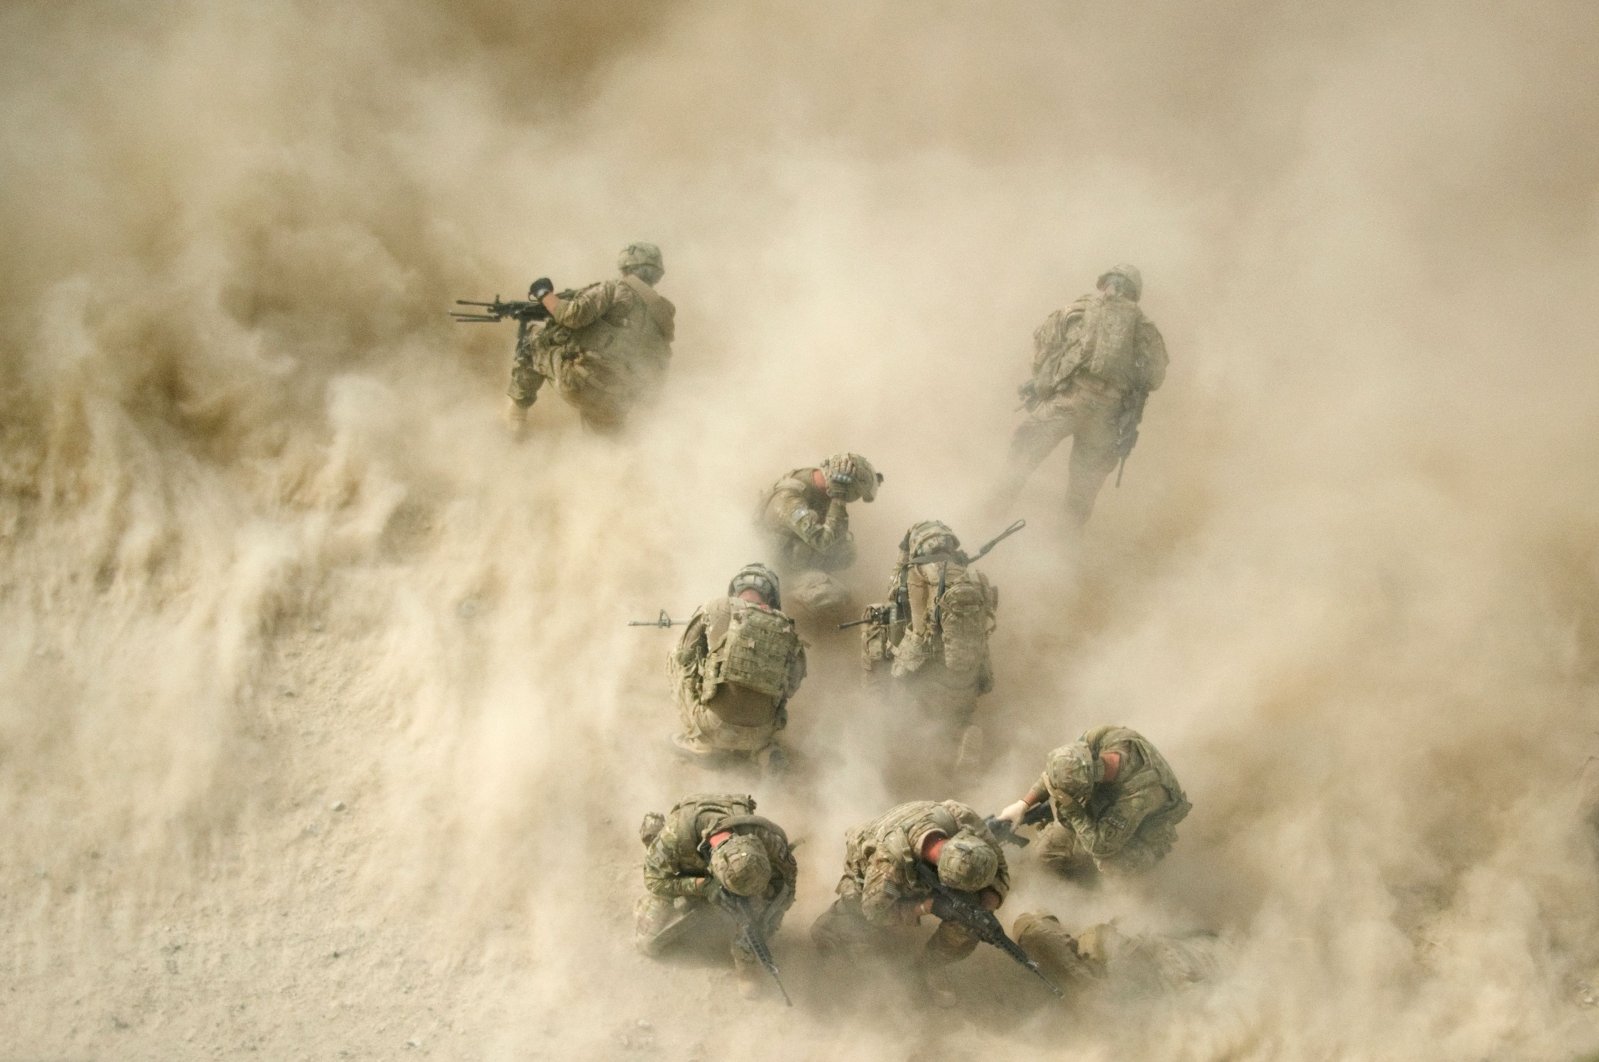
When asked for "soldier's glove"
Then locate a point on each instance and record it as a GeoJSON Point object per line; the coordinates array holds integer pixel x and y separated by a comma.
{"type": "Point", "coordinates": [840, 485]}
{"type": "Point", "coordinates": [541, 287]}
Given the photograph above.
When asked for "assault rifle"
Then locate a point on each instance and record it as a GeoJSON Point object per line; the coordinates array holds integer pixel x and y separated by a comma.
{"type": "Point", "coordinates": [751, 932]}
{"type": "Point", "coordinates": [959, 557]}
{"type": "Point", "coordinates": [966, 911]}
{"type": "Point", "coordinates": [663, 620]}
{"type": "Point", "coordinates": [1127, 428]}
{"type": "Point", "coordinates": [1005, 833]}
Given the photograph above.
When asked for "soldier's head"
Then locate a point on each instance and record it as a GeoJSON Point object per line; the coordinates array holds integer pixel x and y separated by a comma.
{"type": "Point", "coordinates": [642, 260]}
{"type": "Point", "coordinates": [1075, 769]}
{"type": "Point", "coordinates": [1124, 280]}
{"type": "Point", "coordinates": [857, 472]}
{"type": "Point", "coordinates": [967, 863]}
{"type": "Point", "coordinates": [929, 537]}
{"type": "Point", "coordinates": [740, 864]}
{"type": "Point", "coordinates": [759, 578]}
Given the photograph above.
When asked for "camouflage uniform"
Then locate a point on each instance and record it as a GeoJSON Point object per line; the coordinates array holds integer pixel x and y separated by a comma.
{"type": "Point", "coordinates": [719, 714]}
{"type": "Point", "coordinates": [1092, 364]}
{"type": "Point", "coordinates": [1127, 825]}
{"type": "Point", "coordinates": [1137, 966]}
{"type": "Point", "coordinates": [606, 347]}
{"type": "Point", "coordinates": [677, 872]}
{"type": "Point", "coordinates": [808, 536]}
{"type": "Point", "coordinates": [880, 886]}
{"type": "Point", "coordinates": [939, 651]}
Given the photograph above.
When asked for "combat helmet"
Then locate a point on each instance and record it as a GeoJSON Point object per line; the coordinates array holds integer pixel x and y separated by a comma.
{"type": "Point", "coordinates": [1074, 769]}
{"type": "Point", "coordinates": [740, 864]}
{"type": "Point", "coordinates": [761, 579]}
{"type": "Point", "coordinates": [927, 538]}
{"type": "Point", "coordinates": [864, 478]}
{"type": "Point", "coordinates": [1128, 273]}
{"type": "Point", "coordinates": [967, 863]}
{"type": "Point", "coordinates": [639, 256]}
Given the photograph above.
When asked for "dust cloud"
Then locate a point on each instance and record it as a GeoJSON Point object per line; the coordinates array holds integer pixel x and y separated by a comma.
{"type": "Point", "coordinates": [321, 733]}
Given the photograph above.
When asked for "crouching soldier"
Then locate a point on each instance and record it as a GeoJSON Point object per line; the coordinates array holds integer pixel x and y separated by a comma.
{"type": "Point", "coordinates": [887, 864]}
{"type": "Point", "coordinates": [734, 670]}
{"type": "Point", "coordinates": [1112, 801]}
{"type": "Point", "coordinates": [932, 635]}
{"type": "Point", "coordinates": [715, 867]}
{"type": "Point", "coordinates": [805, 519]}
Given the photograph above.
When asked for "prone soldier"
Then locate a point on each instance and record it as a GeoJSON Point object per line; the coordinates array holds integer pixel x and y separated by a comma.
{"type": "Point", "coordinates": [734, 670]}
{"type": "Point", "coordinates": [887, 863]}
{"type": "Point", "coordinates": [1114, 803]}
{"type": "Point", "coordinates": [714, 866]}
{"type": "Point", "coordinates": [606, 346]}
{"type": "Point", "coordinates": [805, 519]}
{"type": "Point", "coordinates": [1094, 364]}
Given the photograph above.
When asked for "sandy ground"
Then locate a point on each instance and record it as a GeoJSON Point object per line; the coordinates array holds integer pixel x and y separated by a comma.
{"type": "Point", "coordinates": [322, 733]}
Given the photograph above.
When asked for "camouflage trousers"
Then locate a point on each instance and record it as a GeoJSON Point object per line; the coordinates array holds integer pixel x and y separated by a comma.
{"type": "Point", "coordinates": [1062, 851]}
{"type": "Point", "coordinates": [816, 597]}
{"type": "Point", "coordinates": [844, 928]}
{"type": "Point", "coordinates": [1090, 414]}
{"type": "Point", "coordinates": [661, 921]}
{"type": "Point", "coordinates": [602, 410]}
{"type": "Point", "coordinates": [1137, 966]}
{"type": "Point", "coordinates": [945, 704]}
{"type": "Point", "coordinates": [705, 733]}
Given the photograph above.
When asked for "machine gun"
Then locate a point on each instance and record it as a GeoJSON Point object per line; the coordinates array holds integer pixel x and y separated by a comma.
{"type": "Point", "coordinates": [662, 620]}
{"type": "Point", "coordinates": [524, 313]}
{"type": "Point", "coordinates": [751, 933]}
{"type": "Point", "coordinates": [966, 911]}
{"type": "Point", "coordinates": [1005, 833]}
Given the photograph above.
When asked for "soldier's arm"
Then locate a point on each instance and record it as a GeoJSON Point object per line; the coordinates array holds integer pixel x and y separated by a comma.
{"type": "Point", "coordinates": [663, 874]}
{"type": "Point", "coordinates": [585, 307]}
{"type": "Point", "coordinates": [1154, 354]}
{"type": "Point", "coordinates": [819, 533]}
{"type": "Point", "coordinates": [885, 901]}
{"type": "Point", "coordinates": [1109, 834]}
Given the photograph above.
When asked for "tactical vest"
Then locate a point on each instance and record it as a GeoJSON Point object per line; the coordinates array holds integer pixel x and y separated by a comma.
{"type": "Point", "coordinates": [756, 655]}
{"type": "Point", "coordinates": [624, 348]}
{"type": "Point", "coordinates": [1110, 339]}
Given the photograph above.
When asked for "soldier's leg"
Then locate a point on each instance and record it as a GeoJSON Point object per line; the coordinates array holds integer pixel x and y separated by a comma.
{"type": "Point", "coordinates": [1060, 851]}
{"type": "Point", "coordinates": [1093, 459]}
{"type": "Point", "coordinates": [658, 921]}
{"type": "Point", "coordinates": [816, 597]}
{"type": "Point", "coordinates": [1034, 439]}
{"type": "Point", "coordinates": [520, 395]}
{"type": "Point", "coordinates": [949, 944]}
{"type": "Point", "coordinates": [1047, 943]}
{"type": "Point", "coordinates": [842, 928]}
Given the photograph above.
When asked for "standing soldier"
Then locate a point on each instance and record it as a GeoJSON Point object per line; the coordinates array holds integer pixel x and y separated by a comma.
{"type": "Point", "coordinates": [1094, 364]}
{"type": "Point", "coordinates": [805, 519]}
{"type": "Point", "coordinates": [606, 346]}
{"type": "Point", "coordinates": [734, 670]}
{"type": "Point", "coordinates": [714, 866]}
{"type": "Point", "coordinates": [934, 634]}
{"type": "Point", "coordinates": [883, 884]}
{"type": "Point", "coordinates": [1114, 802]}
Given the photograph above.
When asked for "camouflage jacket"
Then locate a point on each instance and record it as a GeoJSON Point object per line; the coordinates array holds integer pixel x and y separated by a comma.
{"type": "Point", "coordinates": [1145, 791]}
{"type": "Point", "coordinates": [952, 611]}
{"type": "Point", "coordinates": [678, 862]}
{"type": "Point", "coordinates": [624, 319]}
{"type": "Point", "coordinates": [808, 530]}
{"type": "Point", "coordinates": [694, 668]}
{"type": "Point", "coordinates": [880, 857]}
{"type": "Point", "coordinates": [1068, 341]}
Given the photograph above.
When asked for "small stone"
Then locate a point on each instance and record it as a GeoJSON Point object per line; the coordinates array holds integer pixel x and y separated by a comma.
{"type": "Point", "coordinates": [413, 1043]}
{"type": "Point", "coordinates": [338, 805]}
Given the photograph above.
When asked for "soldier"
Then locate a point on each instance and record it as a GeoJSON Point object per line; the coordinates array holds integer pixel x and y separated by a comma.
{"type": "Point", "coordinates": [1115, 805]}
{"type": "Point", "coordinates": [805, 518]}
{"type": "Point", "coordinates": [1138, 966]}
{"type": "Point", "coordinates": [1094, 364]}
{"type": "Point", "coordinates": [707, 850]}
{"type": "Point", "coordinates": [881, 885]}
{"type": "Point", "coordinates": [934, 631]}
{"type": "Point", "coordinates": [734, 670]}
{"type": "Point", "coordinates": [606, 346]}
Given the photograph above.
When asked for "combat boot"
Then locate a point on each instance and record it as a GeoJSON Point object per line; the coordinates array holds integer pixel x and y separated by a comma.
{"type": "Point", "coordinates": [515, 419]}
{"type": "Point", "coordinates": [940, 987]}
